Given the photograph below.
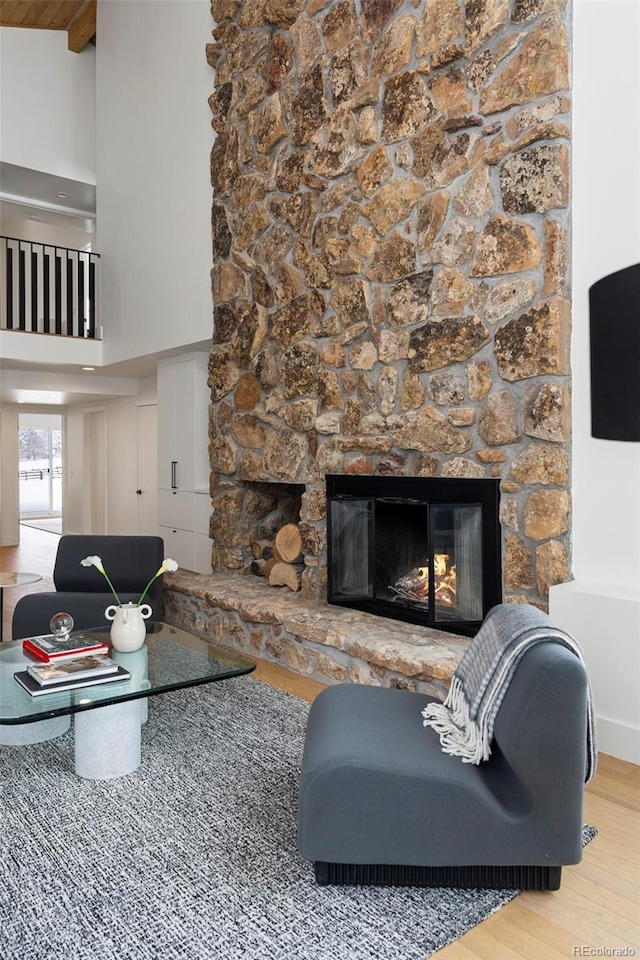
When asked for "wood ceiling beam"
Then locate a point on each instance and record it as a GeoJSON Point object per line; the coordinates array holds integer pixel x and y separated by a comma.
{"type": "Point", "coordinates": [77, 17]}
{"type": "Point", "coordinates": [83, 26]}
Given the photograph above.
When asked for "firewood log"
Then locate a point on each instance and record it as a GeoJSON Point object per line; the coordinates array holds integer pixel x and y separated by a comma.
{"type": "Point", "coordinates": [268, 566]}
{"type": "Point", "coordinates": [285, 575]}
{"type": "Point", "coordinates": [262, 568]}
{"type": "Point", "coordinates": [261, 549]}
{"type": "Point", "coordinates": [288, 543]}
{"type": "Point", "coordinates": [269, 525]}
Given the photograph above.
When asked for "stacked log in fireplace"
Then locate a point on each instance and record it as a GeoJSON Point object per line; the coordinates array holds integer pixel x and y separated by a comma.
{"type": "Point", "coordinates": [280, 561]}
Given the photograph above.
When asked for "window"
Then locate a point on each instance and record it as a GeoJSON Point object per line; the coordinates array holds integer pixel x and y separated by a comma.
{"type": "Point", "coordinates": [40, 465]}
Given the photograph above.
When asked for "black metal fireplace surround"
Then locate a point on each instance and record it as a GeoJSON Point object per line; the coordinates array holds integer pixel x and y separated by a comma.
{"type": "Point", "coordinates": [420, 549]}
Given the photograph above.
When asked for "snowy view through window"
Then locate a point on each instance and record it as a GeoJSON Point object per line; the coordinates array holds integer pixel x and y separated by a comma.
{"type": "Point", "coordinates": [40, 471]}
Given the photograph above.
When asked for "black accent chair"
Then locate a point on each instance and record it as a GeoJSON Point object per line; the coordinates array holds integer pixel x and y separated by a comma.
{"type": "Point", "coordinates": [130, 561]}
{"type": "Point", "coordinates": [380, 803]}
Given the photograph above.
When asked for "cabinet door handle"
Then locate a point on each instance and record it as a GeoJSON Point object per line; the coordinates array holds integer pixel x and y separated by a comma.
{"type": "Point", "coordinates": [174, 464]}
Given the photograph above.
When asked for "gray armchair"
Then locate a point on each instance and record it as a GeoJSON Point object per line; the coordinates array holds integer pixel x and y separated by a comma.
{"type": "Point", "coordinates": [83, 592]}
{"type": "Point", "coordinates": [380, 802]}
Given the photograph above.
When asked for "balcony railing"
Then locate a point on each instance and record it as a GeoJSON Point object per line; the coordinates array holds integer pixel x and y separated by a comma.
{"type": "Point", "coordinates": [48, 289]}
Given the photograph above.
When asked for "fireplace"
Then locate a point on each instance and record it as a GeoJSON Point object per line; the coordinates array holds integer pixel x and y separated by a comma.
{"type": "Point", "coordinates": [419, 549]}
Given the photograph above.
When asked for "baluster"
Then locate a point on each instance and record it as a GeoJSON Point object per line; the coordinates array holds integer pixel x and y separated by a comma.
{"type": "Point", "coordinates": [9, 302]}
{"type": "Point", "coordinates": [46, 292]}
{"type": "Point", "coordinates": [22, 305]}
{"type": "Point", "coordinates": [80, 332]}
{"type": "Point", "coordinates": [69, 329]}
{"type": "Point", "coordinates": [34, 291]}
{"type": "Point", "coordinates": [91, 332]}
{"type": "Point", "coordinates": [57, 291]}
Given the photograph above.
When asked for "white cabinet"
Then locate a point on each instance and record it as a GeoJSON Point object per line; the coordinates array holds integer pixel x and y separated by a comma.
{"type": "Point", "coordinates": [203, 553]}
{"type": "Point", "coordinates": [203, 512]}
{"type": "Point", "coordinates": [180, 545]}
{"type": "Point", "coordinates": [177, 508]}
{"type": "Point", "coordinates": [184, 507]}
{"type": "Point", "coordinates": [183, 418]}
{"type": "Point", "coordinates": [203, 542]}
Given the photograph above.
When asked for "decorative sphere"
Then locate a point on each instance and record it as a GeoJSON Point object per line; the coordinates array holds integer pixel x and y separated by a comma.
{"type": "Point", "coordinates": [61, 625]}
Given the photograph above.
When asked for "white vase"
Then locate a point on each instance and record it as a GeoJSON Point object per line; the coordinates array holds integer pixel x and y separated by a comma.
{"type": "Point", "coordinates": [127, 628]}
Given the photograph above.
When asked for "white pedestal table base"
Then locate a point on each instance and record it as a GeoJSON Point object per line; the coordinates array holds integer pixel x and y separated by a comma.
{"type": "Point", "coordinates": [108, 741]}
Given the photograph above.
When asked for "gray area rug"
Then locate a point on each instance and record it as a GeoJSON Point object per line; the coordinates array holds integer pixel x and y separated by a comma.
{"type": "Point", "coordinates": [194, 855]}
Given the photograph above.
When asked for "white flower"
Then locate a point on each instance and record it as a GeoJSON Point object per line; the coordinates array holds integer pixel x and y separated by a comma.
{"type": "Point", "coordinates": [93, 562]}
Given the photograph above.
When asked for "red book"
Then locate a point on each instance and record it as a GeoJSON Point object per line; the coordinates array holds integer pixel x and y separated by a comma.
{"type": "Point", "coordinates": [48, 649]}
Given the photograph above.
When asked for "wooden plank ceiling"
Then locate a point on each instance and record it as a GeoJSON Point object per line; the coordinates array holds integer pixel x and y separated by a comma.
{"type": "Point", "coordinates": [77, 17]}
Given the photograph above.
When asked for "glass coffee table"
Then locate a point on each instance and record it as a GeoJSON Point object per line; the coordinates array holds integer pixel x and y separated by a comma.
{"type": "Point", "coordinates": [108, 716]}
{"type": "Point", "coordinates": [13, 578]}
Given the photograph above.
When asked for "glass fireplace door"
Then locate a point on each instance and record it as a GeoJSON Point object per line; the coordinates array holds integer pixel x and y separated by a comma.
{"type": "Point", "coordinates": [457, 561]}
{"type": "Point", "coordinates": [351, 556]}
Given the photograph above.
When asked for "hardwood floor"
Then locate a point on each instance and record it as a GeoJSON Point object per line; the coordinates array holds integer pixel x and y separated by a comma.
{"type": "Point", "coordinates": [35, 553]}
{"type": "Point", "coordinates": [598, 905]}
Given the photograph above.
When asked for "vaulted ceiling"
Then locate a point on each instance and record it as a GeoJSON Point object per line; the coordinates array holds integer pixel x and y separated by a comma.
{"type": "Point", "coordinates": [77, 17]}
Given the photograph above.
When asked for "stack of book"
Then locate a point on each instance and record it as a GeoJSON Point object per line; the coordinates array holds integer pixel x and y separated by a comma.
{"type": "Point", "coordinates": [67, 664]}
{"type": "Point", "coordinates": [49, 649]}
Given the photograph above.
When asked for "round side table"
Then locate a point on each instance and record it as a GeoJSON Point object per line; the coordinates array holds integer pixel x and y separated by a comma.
{"type": "Point", "coordinates": [14, 580]}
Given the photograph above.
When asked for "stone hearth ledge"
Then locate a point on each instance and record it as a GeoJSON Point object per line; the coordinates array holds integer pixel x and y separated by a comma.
{"type": "Point", "coordinates": [327, 643]}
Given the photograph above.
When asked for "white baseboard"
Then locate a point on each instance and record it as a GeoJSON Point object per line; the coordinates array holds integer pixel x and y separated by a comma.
{"type": "Point", "coordinates": [618, 740]}
{"type": "Point", "coordinates": [605, 621]}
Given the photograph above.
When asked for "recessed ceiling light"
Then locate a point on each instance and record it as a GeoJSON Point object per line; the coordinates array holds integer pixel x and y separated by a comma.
{"type": "Point", "coordinates": [63, 196]}
{"type": "Point", "coordinates": [88, 368]}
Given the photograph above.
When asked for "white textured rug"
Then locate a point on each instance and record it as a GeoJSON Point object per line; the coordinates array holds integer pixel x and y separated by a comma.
{"type": "Point", "coordinates": [194, 855]}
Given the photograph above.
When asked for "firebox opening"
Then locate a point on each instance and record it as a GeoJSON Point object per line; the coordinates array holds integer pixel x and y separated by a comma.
{"type": "Point", "coordinates": [266, 508]}
{"type": "Point", "coordinates": [418, 549]}
{"type": "Point", "coordinates": [402, 568]}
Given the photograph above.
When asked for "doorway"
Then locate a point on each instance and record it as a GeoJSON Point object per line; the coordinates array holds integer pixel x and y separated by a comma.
{"type": "Point", "coordinates": [147, 475]}
{"type": "Point", "coordinates": [40, 470]}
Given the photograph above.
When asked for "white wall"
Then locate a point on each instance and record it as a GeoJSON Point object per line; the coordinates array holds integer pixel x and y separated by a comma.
{"type": "Point", "coordinates": [154, 196]}
{"type": "Point", "coordinates": [9, 485]}
{"type": "Point", "coordinates": [602, 606]}
{"type": "Point", "coordinates": [47, 103]}
{"type": "Point", "coordinates": [73, 233]}
{"type": "Point", "coordinates": [76, 516]}
{"type": "Point", "coordinates": [606, 238]}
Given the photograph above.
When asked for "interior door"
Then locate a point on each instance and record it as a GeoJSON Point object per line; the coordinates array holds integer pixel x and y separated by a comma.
{"type": "Point", "coordinates": [147, 490]}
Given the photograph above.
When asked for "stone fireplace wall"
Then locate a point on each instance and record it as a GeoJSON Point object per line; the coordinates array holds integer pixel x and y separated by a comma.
{"type": "Point", "coordinates": [390, 253]}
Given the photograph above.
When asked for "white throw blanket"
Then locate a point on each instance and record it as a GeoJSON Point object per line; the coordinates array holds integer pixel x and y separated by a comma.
{"type": "Point", "coordinates": [465, 721]}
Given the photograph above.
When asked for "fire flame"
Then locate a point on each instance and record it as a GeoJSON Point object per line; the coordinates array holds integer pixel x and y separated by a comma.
{"type": "Point", "coordinates": [440, 563]}
{"type": "Point", "coordinates": [445, 580]}
{"type": "Point", "coordinates": [415, 585]}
